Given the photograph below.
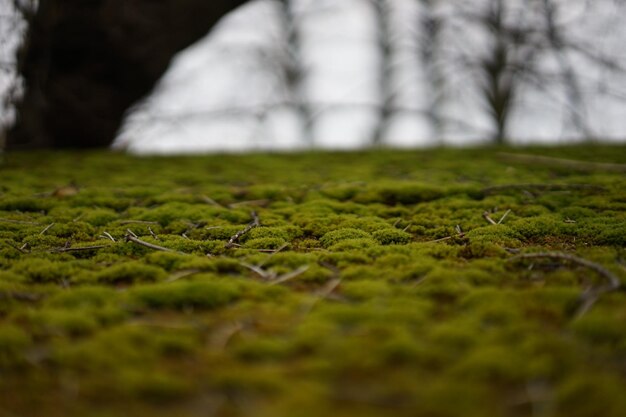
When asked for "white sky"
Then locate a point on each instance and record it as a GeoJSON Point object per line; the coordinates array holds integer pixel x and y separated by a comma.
{"type": "Point", "coordinates": [221, 93]}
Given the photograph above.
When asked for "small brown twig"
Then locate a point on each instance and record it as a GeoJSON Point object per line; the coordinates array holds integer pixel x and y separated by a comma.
{"type": "Point", "coordinates": [566, 163]}
{"type": "Point", "coordinates": [209, 200]}
{"type": "Point", "coordinates": [131, 237]}
{"type": "Point", "coordinates": [540, 187]}
{"type": "Point", "coordinates": [459, 233]}
{"type": "Point", "coordinates": [591, 295]}
{"type": "Point", "coordinates": [137, 222]}
{"type": "Point", "coordinates": [48, 227]}
{"type": "Point", "coordinates": [108, 236]}
{"type": "Point", "coordinates": [18, 221]}
{"type": "Point", "coordinates": [506, 213]}
{"type": "Point", "coordinates": [79, 248]}
{"type": "Point", "coordinates": [153, 234]}
{"type": "Point", "coordinates": [272, 253]}
{"type": "Point", "coordinates": [254, 223]}
{"type": "Point", "coordinates": [290, 275]}
{"type": "Point", "coordinates": [258, 203]}
{"type": "Point", "coordinates": [266, 275]}
{"type": "Point", "coordinates": [487, 216]}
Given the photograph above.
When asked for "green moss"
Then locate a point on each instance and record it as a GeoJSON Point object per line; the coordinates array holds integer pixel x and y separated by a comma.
{"type": "Point", "coordinates": [366, 289]}
{"type": "Point", "coordinates": [13, 343]}
{"type": "Point", "coordinates": [334, 237]}
{"type": "Point", "coordinates": [392, 237]}
{"type": "Point", "coordinates": [130, 272]}
{"type": "Point", "coordinates": [265, 243]}
{"type": "Point", "coordinates": [187, 295]}
{"type": "Point", "coordinates": [389, 305]}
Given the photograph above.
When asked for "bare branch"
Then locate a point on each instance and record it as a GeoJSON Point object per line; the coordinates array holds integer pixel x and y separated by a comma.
{"type": "Point", "coordinates": [254, 223]}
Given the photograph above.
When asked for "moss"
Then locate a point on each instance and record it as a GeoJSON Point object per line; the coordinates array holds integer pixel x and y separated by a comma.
{"type": "Point", "coordinates": [366, 289]}
{"type": "Point", "coordinates": [392, 237]}
{"type": "Point", "coordinates": [265, 243]}
{"type": "Point", "coordinates": [130, 272]}
{"type": "Point", "coordinates": [427, 321]}
{"type": "Point", "coordinates": [187, 295]}
{"type": "Point", "coordinates": [13, 344]}
{"type": "Point", "coordinates": [43, 270]}
{"type": "Point", "coordinates": [353, 244]}
{"type": "Point", "coordinates": [54, 322]}
{"type": "Point", "coordinates": [334, 237]}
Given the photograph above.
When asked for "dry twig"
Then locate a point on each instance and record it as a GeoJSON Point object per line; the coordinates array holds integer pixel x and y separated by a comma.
{"type": "Point", "coordinates": [43, 232]}
{"type": "Point", "coordinates": [254, 223]}
{"type": "Point", "coordinates": [591, 295]}
{"type": "Point", "coordinates": [487, 216]}
{"type": "Point", "coordinates": [131, 237]}
{"type": "Point", "coordinates": [79, 248]}
{"type": "Point", "coordinates": [540, 187]}
{"type": "Point", "coordinates": [566, 163]}
{"type": "Point", "coordinates": [290, 275]}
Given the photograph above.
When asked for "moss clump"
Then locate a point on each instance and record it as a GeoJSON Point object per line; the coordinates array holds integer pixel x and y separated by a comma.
{"type": "Point", "coordinates": [392, 237]}
{"type": "Point", "coordinates": [13, 343]}
{"type": "Point", "coordinates": [130, 272]}
{"type": "Point", "coordinates": [187, 295]}
{"type": "Point", "coordinates": [334, 237]}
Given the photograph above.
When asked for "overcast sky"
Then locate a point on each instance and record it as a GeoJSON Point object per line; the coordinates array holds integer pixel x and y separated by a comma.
{"type": "Point", "coordinates": [224, 93]}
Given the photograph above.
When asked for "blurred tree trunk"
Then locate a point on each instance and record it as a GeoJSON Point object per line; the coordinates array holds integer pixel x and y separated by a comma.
{"type": "Point", "coordinates": [85, 62]}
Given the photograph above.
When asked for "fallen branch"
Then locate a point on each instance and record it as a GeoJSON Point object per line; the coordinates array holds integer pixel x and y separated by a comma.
{"type": "Point", "coordinates": [48, 227]}
{"type": "Point", "coordinates": [79, 248]}
{"type": "Point", "coordinates": [540, 187]}
{"type": "Point", "coordinates": [486, 216]}
{"type": "Point", "coordinates": [459, 231]}
{"type": "Point", "coordinates": [506, 213]}
{"type": "Point", "coordinates": [561, 162]}
{"type": "Point", "coordinates": [131, 237]}
{"type": "Point", "coordinates": [137, 222]}
{"type": "Point", "coordinates": [290, 275]}
{"type": "Point", "coordinates": [254, 223]}
{"type": "Point", "coordinates": [591, 295]}
{"type": "Point", "coordinates": [18, 221]}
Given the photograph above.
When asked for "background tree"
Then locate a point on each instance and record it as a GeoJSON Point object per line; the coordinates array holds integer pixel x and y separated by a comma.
{"type": "Point", "coordinates": [84, 63]}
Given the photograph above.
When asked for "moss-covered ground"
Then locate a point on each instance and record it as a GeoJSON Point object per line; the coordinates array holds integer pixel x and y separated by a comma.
{"type": "Point", "coordinates": [375, 284]}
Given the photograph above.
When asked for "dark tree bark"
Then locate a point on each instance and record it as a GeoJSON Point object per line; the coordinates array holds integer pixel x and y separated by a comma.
{"type": "Point", "coordinates": [85, 62]}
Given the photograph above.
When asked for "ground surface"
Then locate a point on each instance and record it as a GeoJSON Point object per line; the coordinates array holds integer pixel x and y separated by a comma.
{"type": "Point", "coordinates": [375, 284]}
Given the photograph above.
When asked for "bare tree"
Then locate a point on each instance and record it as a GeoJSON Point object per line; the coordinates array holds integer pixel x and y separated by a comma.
{"type": "Point", "coordinates": [293, 69]}
{"type": "Point", "coordinates": [385, 69]}
{"type": "Point", "coordinates": [85, 63]}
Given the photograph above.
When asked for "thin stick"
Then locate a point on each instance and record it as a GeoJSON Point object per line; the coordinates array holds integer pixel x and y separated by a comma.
{"type": "Point", "coordinates": [220, 338]}
{"type": "Point", "coordinates": [79, 248]}
{"type": "Point", "coordinates": [133, 238]}
{"type": "Point", "coordinates": [259, 271]}
{"type": "Point", "coordinates": [290, 275]}
{"type": "Point", "coordinates": [254, 223]}
{"type": "Point", "coordinates": [209, 200]}
{"type": "Point", "coordinates": [487, 217]}
{"type": "Point", "coordinates": [260, 203]}
{"type": "Point", "coordinates": [590, 296]}
{"type": "Point", "coordinates": [182, 274]}
{"type": "Point", "coordinates": [137, 222]}
{"type": "Point", "coordinates": [567, 163]}
{"type": "Point", "coordinates": [540, 187]}
{"type": "Point", "coordinates": [504, 216]}
{"type": "Point", "coordinates": [18, 221]}
{"type": "Point", "coordinates": [46, 229]}
{"type": "Point", "coordinates": [272, 253]}
{"type": "Point", "coordinates": [108, 236]}
{"type": "Point", "coordinates": [154, 234]}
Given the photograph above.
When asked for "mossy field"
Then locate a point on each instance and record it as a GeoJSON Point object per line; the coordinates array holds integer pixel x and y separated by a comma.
{"type": "Point", "coordinates": [436, 283]}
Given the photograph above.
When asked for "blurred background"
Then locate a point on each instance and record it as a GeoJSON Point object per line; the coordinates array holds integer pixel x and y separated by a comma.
{"type": "Point", "coordinates": [183, 77]}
